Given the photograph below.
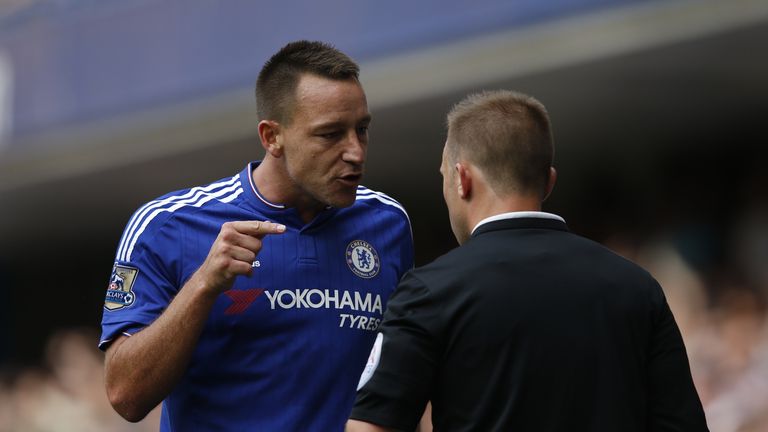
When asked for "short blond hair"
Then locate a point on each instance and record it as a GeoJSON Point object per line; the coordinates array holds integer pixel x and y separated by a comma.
{"type": "Point", "coordinates": [507, 135]}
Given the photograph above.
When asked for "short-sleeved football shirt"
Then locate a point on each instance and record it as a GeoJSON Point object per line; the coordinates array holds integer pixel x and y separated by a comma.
{"type": "Point", "coordinates": [284, 348]}
{"type": "Point", "coordinates": [529, 327]}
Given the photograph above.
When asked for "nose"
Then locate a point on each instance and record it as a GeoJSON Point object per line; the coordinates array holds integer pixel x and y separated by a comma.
{"type": "Point", "coordinates": [355, 148]}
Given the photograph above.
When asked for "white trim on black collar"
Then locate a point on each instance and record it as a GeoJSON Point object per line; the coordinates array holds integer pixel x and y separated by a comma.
{"type": "Point", "coordinates": [518, 215]}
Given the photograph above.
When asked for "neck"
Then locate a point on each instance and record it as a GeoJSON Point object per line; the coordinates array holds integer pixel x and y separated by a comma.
{"type": "Point", "coordinates": [274, 184]}
{"type": "Point", "coordinates": [492, 205]}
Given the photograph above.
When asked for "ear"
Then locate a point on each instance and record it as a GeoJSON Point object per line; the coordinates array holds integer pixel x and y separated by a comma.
{"type": "Point", "coordinates": [550, 183]}
{"type": "Point", "coordinates": [269, 134]}
{"type": "Point", "coordinates": [464, 180]}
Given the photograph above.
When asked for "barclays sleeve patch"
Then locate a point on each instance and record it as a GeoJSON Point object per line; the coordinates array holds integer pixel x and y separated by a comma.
{"type": "Point", "coordinates": [120, 290]}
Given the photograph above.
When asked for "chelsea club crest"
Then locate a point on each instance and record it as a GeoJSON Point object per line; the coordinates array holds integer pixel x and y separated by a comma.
{"type": "Point", "coordinates": [363, 259]}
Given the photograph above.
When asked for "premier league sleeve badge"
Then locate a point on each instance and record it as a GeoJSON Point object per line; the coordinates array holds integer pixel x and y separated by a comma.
{"type": "Point", "coordinates": [120, 291]}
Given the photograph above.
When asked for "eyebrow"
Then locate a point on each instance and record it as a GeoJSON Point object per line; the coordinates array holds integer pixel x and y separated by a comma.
{"type": "Point", "coordinates": [336, 124]}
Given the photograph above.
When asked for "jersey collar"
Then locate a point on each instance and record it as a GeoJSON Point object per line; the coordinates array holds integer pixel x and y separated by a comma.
{"type": "Point", "coordinates": [546, 219]}
{"type": "Point", "coordinates": [276, 211]}
{"type": "Point", "coordinates": [249, 173]}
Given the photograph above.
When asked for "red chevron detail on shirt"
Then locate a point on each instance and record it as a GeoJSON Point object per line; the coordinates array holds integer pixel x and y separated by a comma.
{"type": "Point", "coordinates": [241, 299]}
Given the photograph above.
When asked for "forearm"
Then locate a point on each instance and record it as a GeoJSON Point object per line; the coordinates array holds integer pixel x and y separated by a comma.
{"type": "Point", "coordinates": [141, 370]}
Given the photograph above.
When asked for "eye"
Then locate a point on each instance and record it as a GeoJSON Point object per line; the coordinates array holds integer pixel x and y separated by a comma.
{"type": "Point", "coordinates": [330, 135]}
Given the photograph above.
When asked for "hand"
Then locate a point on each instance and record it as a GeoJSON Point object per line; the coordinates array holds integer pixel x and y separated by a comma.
{"type": "Point", "coordinates": [233, 252]}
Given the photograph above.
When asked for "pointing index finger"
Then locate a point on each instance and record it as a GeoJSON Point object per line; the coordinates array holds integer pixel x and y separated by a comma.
{"type": "Point", "coordinates": [260, 228]}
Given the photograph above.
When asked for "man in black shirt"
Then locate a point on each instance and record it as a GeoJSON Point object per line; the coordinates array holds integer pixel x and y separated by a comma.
{"type": "Point", "coordinates": [526, 326]}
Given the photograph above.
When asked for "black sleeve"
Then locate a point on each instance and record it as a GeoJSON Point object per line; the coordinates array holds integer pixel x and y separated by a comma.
{"type": "Point", "coordinates": [397, 389]}
{"type": "Point", "coordinates": [673, 403]}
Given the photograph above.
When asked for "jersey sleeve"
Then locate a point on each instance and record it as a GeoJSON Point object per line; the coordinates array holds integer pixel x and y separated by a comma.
{"type": "Point", "coordinates": [673, 401]}
{"type": "Point", "coordinates": [144, 278]}
{"type": "Point", "coordinates": [395, 385]}
{"type": "Point", "coordinates": [406, 248]}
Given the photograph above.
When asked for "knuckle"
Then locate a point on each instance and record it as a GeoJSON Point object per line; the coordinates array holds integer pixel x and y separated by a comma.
{"type": "Point", "coordinates": [238, 267]}
{"type": "Point", "coordinates": [220, 263]}
{"type": "Point", "coordinates": [228, 235]}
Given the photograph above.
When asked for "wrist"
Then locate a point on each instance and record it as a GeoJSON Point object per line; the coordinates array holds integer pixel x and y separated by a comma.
{"type": "Point", "coordinates": [202, 286]}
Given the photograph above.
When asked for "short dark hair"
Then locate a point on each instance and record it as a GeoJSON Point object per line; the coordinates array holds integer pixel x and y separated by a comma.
{"type": "Point", "coordinates": [278, 79]}
{"type": "Point", "coordinates": [507, 135]}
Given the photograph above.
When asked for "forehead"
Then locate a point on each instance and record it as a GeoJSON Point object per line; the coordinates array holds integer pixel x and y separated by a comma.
{"type": "Point", "coordinates": [321, 100]}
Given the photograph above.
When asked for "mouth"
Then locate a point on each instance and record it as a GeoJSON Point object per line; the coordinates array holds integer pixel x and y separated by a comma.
{"type": "Point", "coordinates": [350, 179]}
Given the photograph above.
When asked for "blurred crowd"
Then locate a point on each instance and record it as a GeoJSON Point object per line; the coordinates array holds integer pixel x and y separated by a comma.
{"type": "Point", "coordinates": [727, 343]}
{"type": "Point", "coordinates": [721, 314]}
{"type": "Point", "coordinates": [720, 308]}
{"type": "Point", "coordinates": [65, 395]}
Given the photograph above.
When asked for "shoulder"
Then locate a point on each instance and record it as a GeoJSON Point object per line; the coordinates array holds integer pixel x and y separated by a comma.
{"type": "Point", "coordinates": [524, 253]}
{"type": "Point", "coordinates": [164, 207]}
{"type": "Point", "coordinates": [602, 256]}
{"type": "Point", "coordinates": [579, 258]}
{"type": "Point", "coordinates": [160, 212]}
{"type": "Point", "coordinates": [371, 199]}
{"type": "Point", "coordinates": [445, 270]}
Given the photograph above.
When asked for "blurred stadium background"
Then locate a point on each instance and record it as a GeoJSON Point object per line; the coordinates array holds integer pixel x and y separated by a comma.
{"type": "Point", "coordinates": [658, 109]}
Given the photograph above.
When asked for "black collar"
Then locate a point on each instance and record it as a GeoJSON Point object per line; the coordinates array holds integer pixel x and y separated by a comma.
{"type": "Point", "coordinates": [521, 223]}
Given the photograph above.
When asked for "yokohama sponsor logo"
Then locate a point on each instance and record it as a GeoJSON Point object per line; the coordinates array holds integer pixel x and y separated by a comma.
{"type": "Point", "coordinates": [328, 299]}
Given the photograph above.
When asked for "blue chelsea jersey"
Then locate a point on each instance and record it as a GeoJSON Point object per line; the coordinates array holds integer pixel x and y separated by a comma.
{"type": "Point", "coordinates": [284, 348]}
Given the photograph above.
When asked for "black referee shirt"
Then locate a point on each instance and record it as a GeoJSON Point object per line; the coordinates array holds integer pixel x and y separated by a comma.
{"type": "Point", "coordinates": [528, 327]}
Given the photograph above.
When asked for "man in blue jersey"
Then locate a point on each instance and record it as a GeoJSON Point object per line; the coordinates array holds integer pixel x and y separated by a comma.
{"type": "Point", "coordinates": [252, 303]}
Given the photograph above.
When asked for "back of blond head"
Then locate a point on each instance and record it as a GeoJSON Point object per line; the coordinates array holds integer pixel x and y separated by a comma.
{"type": "Point", "coordinates": [507, 135]}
